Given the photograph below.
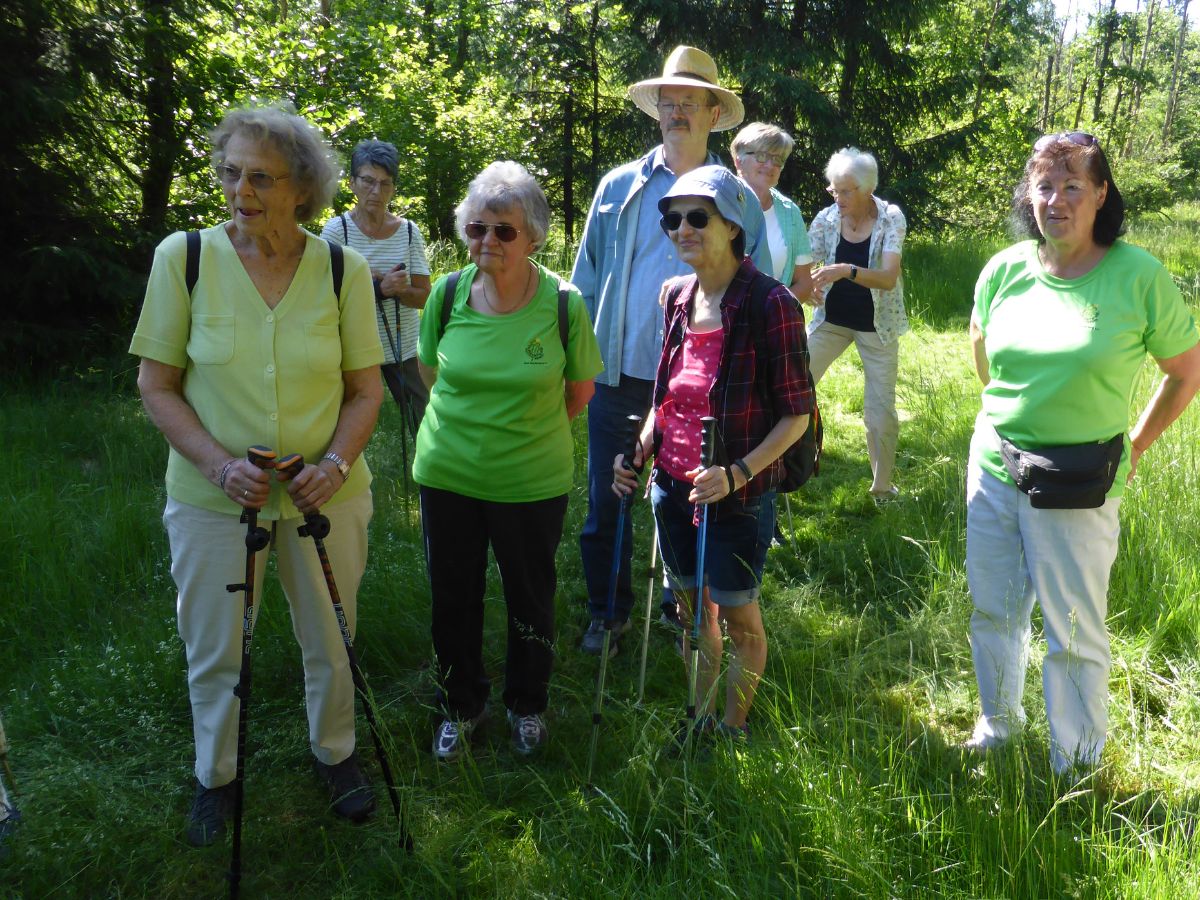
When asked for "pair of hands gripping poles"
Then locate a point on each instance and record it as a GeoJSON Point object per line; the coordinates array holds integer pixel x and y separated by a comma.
{"type": "Point", "coordinates": [257, 538]}
{"type": "Point", "coordinates": [633, 442]}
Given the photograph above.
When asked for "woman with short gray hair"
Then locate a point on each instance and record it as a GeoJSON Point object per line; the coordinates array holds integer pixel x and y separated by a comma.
{"type": "Point", "coordinates": [395, 250]}
{"type": "Point", "coordinates": [508, 351]}
{"type": "Point", "coordinates": [759, 152]}
{"type": "Point", "coordinates": [859, 296]}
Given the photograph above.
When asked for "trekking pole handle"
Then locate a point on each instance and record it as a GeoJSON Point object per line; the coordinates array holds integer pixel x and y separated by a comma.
{"type": "Point", "coordinates": [290, 466]}
{"type": "Point", "coordinates": [633, 426]}
{"type": "Point", "coordinates": [708, 436]}
{"type": "Point", "coordinates": [263, 457]}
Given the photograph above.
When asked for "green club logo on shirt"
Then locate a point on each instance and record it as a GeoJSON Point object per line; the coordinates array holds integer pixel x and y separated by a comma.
{"type": "Point", "coordinates": [534, 350]}
{"type": "Point", "coordinates": [1090, 313]}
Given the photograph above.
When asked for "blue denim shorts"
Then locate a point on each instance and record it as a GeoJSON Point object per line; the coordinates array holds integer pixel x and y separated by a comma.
{"type": "Point", "coordinates": [736, 546]}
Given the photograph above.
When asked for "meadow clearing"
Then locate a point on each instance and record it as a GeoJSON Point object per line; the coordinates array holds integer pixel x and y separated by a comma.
{"type": "Point", "coordinates": [852, 786]}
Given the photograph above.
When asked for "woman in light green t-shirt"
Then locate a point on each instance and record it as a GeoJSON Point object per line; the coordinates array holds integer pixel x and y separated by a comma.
{"type": "Point", "coordinates": [1062, 324]}
{"type": "Point", "coordinates": [494, 452]}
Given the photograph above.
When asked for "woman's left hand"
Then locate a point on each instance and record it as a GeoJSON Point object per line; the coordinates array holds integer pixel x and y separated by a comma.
{"type": "Point", "coordinates": [824, 276]}
{"type": "Point", "coordinates": [314, 486]}
{"type": "Point", "coordinates": [709, 485]}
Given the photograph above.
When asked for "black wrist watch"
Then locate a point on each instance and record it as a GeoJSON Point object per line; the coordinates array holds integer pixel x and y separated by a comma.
{"type": "Point", "coordinates": [854, 273]}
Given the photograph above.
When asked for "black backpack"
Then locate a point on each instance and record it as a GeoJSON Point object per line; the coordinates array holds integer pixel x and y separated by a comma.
{"type": "Point", "coordinates": [191, 272]}
{"type": "Point", "coordinates": [448, 306]}
{"type": "Point", "coordinates": [802, 460]}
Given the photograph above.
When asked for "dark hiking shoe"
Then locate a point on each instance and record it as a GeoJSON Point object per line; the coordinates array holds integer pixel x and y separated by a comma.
{"type": "Point", "coordinates": [738, 737]}
{"type": "Point", "coordinates": [701, 735]}
{"type": "Point", "coordinates": [350, 793]}
{"type": "Point", "coordinates": [593, 638]}
{"type": "Point", "coordinates": [529, 733]}
{"type": "Point", "coordinates": [211, 809]}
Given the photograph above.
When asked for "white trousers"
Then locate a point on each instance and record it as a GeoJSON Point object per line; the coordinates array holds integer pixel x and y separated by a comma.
{"type": "Point", "coordinates": [880, 363]}
{"type": "Point", "coordinates": [208, 552]}
{"type": "Point", "coordinates": [1062, 558]}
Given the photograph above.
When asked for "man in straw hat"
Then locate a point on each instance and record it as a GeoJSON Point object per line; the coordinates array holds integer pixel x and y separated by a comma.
{"type": "Point", "coordinates": [624, 258]}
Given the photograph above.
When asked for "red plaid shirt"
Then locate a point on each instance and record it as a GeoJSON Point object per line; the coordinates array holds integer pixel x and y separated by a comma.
{"type": "Point", "coordinates": [736, 401]}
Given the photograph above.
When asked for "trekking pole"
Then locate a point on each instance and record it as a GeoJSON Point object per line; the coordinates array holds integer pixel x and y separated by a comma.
{"type": "Point", "coordinates": [316, 526]}
{"type": "Point", "coordinates": [257, 538]}
{"type": "Point", "coordinates": [650, 582]}
{"type": "Point", "coordinates": [632, 424]}
{"type": "Point", "coordinates": [708, 436]}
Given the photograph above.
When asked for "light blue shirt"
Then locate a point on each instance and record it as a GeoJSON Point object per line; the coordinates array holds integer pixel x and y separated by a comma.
{"type": "Point", "coordinates": [654, 261]}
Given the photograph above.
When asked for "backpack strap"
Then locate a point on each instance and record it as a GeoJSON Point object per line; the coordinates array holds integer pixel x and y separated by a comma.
{"type": "Point", "coordinates": [564, 324]}
{"type": "Point", "coordinates": [345, 229]}
{"type": "Point", "coordinates": [760, 289]}
{"type": "Point", "coordinates": [191, 272]}
{"type": "Point", "coordinates": [448, 301]}
{"type": "Point", "coordinates": [337, 263]}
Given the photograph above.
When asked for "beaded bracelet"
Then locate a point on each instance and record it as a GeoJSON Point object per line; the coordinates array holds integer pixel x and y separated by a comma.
{"type": "Point", "coordinates": [225, 472]}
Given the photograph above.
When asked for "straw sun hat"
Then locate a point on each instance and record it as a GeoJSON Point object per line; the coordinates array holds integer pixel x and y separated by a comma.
{"type": "Point", "coordinates": [689, 67]}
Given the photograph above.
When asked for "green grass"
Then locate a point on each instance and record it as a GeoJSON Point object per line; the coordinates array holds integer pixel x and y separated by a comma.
{"type": "Point", "coordinates": [851, 788]}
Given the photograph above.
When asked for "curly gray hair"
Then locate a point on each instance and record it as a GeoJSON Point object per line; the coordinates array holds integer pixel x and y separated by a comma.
{"type": "Point", "coordinates": [502, 186]}
{"type": "Point", "coordinates": [311, 159]}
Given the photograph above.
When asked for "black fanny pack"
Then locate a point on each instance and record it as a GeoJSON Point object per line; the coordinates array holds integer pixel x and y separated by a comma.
{"type": "Point", "coordinates": [1073, 476]}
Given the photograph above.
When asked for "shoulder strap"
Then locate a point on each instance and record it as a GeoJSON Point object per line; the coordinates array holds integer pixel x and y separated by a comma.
{"type": "Point", "coordinates": [345, 228]}
{"type": "Point", "coordinates": [448, 300]}
{"type": "Point", "coordinates": [337, 263]}
{"type": "Point", "coordinates": [191, 272]}
{"type": "Point", "coordinates": [564, 324]}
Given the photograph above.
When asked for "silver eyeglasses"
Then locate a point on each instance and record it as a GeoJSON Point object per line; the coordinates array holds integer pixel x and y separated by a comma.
{"type": "Point", "coordinates": [260, 181]}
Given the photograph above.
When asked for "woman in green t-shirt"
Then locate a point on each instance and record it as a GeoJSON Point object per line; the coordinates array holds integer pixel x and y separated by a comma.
{"type": "Point", "coordinates": [1061, 327]}
{"type": "Point", "coordinates": [494, 452]}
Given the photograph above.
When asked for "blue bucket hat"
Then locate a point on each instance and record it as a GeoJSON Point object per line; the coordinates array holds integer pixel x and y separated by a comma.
{"type": "Point", "coordinates": [718, 184]}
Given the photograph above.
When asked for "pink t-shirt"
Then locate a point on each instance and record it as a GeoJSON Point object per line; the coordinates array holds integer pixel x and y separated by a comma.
{"type": "Point", "coordinates": [693, 371]}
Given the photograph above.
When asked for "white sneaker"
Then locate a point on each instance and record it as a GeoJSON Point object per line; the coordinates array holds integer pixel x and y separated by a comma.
{"type": "Point", "coordinates": [453, 737]}
{"type": "Point", "coordinates": [528, 733]}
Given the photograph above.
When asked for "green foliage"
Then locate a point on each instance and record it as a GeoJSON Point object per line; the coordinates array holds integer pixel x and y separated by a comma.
{"type": "Point", "coordinates": [106, 109]}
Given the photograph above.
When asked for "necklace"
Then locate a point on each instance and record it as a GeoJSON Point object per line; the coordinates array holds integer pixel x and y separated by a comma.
{"type": "Point", "coordinates": [503, 312]}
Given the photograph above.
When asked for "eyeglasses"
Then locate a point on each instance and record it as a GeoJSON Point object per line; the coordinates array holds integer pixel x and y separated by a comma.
{"type": "Point", "coordinates": [260, 181]}
{"type": "Point", "coordinates": [759, 156]}
{"type": "Point", "coordinates": [504, 232]}
{"type": "Point", "coordinates": [384, 184]}
{"type": "Point", "coordinates": [697, 218]}
{"type": "Point", "coordinates": [840, 192]}
{"type": "Point", "coordinates": [688, 109]}
{"type": "Point", "coordinates": [1079, 138]}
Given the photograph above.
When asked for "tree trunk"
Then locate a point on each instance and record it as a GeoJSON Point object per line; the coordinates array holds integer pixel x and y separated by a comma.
{"type": "Point", "coordinates": [1109, 32]}
{"type": "Point", "coordinates": [1173, 99]}
{"type": "Point", "coordinates": [983, 58]}
{"type": "Point", "coordinates": [1079, 106]}
{"type": "Point", "coordinates": [1136, 107]}
{"type": "Point", "coordinates": [594, 48]}
{"type": "Point", "coordinates": [1046, 94]}
{"type": "Point", "coordinates": [162, 143]}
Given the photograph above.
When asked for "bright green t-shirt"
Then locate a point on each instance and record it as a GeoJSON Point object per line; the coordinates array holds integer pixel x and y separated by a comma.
{"type": "Point", "coordinates": [1063, 354]}
{"type": "Point", "coordinates": [256, 375]}
{"type": "Point", "coordinates": [496, 425]}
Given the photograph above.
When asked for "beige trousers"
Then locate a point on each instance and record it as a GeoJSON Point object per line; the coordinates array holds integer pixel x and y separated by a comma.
{"type": "Point", "coordinates": [207, 553]}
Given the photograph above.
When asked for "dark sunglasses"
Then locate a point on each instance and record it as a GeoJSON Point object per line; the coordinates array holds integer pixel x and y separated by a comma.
{"type": "Point", "coordinates": [504, 232]}
{"type": "Point", "coordinates": [1079, 138]}
{"type": "Point", "coordinates": [697, 218]}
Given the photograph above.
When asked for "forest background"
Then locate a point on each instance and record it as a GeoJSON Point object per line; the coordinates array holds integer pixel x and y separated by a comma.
{"type": "Point", "coordinates": [106, 106]}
